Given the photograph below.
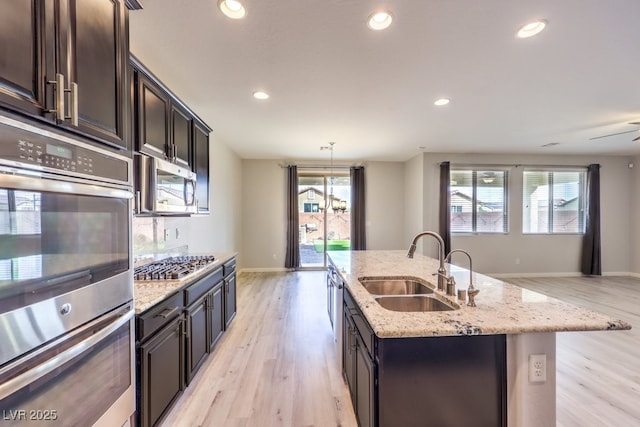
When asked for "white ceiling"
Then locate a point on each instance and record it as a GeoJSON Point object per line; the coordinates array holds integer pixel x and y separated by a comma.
{"type": "Point", "coordinates": [332, 79]}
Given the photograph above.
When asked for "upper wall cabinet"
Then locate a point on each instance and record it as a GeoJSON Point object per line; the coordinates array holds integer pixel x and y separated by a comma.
{"type": "Point", "coordinates": [201, 164]}
{"type": "Point", "coordinates": [167, 128]}
{"type": "Point", "coordinates": [65, 62]}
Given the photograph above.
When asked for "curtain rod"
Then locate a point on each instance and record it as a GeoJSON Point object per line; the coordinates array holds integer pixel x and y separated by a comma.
{"type": "Point", "coordinates": [520, 165]}
{"type": "Point", "coordinates": [284, 165]}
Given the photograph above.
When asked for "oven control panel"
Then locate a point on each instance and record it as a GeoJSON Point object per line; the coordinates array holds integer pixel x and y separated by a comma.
{"type": "Point", "coordinates": [56, 153]}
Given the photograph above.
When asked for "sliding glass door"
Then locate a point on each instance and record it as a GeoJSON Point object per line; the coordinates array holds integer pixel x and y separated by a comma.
{"type": "Point", "coordinates": [324, 206]}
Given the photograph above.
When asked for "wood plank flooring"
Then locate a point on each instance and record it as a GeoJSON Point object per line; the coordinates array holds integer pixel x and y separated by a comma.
{"type": "Point", "coordinates": [598, 373]}
{"type": "Point", "coordinates": [277, 365]}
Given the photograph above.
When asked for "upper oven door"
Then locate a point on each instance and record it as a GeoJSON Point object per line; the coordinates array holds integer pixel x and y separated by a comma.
{"type": "Point", "coordinates": [65, 255]}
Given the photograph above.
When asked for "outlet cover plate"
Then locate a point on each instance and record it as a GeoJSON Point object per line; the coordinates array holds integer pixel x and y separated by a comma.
{"type": "Point", "coordinates": [537, 368]}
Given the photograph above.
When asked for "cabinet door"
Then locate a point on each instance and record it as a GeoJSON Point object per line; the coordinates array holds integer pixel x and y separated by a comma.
{"type": "Point", "coordinates": [153, 108]}
{"type": "Point", "coordinates": [181, 136]}
{"type": "Point", "coordinates": [98, 52]}
{"type": "Point", "coordinates": [349, 354]}
{"type": "Point", "coordinates": [230, 299]}
{"type": "Point", "coordinates": [365, 385]}
{"type": "Point", "coordinates": [161, 363]}
{"type": "Point", "coordinates": [22, 56]}
{"type": "Point", "coordinates": [201, 166]}
{"type": "Point", "coordinates": [197, 339]}
{"type": "Point", "coordinates": [216, 314]}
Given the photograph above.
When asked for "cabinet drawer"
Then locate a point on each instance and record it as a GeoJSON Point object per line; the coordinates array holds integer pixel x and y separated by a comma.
{"type": "Point", "coordinates": [157, 316]}
{"type": "Point", "coordinates": [202, 286]}
{"type": "Point", "coordinates": [229, 267]}
{"type": "Point", "coordinates": [365, 331]}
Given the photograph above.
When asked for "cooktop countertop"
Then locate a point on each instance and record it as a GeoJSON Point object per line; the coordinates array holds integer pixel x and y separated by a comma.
{"type": "Point", "coordinates": [148, 293]}
{"type": "Point", "coordinates": [502, 308]}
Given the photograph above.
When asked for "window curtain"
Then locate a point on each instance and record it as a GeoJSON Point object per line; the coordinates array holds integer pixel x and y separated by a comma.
{"type": "Point", "coordinates": [358, 234]}
{"type": "Point", "coordinates": [591, 261]}
{"type": "Point", "coordinates": [445, 203]}
{"type": "Point", "coordinates": [292, 256]}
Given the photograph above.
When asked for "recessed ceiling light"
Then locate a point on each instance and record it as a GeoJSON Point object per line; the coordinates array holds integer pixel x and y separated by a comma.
{"type": "Point", "coordinates": [260, 95]}
{"type": "Point", "coordinates": [232, 9]}
{"type": "Point", "coordinates": [380, 20]}
{"type": "Point", "coordinates": [442, 101]}
{"type": "Point", "coordinates": [532, 28]}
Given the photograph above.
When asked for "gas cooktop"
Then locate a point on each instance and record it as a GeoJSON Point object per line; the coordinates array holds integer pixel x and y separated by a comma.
{"type": "Point", "coordinates": [173, 268]}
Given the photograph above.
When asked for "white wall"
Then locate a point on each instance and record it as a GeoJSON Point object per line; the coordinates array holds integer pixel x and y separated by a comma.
{"type": "Point", "coordinates": [263, 215]}
{"type": "Point", "coordinates": [635, 223]}
{"type": "Point", "coordinates": [500, 254]}
{"type": "Point", "coordinates": [385, 205]}
{"type": "Point", "coordinates": [221, 230]}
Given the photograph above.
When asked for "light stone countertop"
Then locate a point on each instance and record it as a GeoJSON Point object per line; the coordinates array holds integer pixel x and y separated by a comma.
{"type": "Point", "coordinates": [147, 293]}
{"type": "Point", "coordinates": [502, 308]}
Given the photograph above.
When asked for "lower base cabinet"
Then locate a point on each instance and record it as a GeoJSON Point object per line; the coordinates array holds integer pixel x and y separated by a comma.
{"type": "Point", "coordinates": [452, 381]}
{"type": "Point", "coordinates": [173, 342]}
{"type": "Point", "coordinates": [160, 371]}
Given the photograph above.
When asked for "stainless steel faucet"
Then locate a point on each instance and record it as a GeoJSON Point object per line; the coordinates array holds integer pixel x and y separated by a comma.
{"type": "Point", "coordinates": [442, 271]}
{"type": "Point", "coordinates": [471, 291]}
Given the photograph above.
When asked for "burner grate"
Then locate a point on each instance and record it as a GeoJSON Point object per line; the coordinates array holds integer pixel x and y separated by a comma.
{"type": "Point", "coordinates": [173, 268]}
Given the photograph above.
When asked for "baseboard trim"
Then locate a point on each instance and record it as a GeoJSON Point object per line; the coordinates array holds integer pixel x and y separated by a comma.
{"type": "Point", "coordinates": [560, 274]}
{"type": "Point", "coordinates": [265, 270]}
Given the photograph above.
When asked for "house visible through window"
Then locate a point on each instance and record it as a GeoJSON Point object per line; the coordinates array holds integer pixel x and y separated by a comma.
{"type": "Point", "coordinates": [553, 201]}
{"type": "Point", "coordinates": [478, 201]}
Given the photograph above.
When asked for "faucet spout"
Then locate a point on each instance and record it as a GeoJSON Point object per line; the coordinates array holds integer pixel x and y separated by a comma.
{"type": "Point", "coordinates": [441, 268]}
{"type": "Point", "coordinates": [471, 291]}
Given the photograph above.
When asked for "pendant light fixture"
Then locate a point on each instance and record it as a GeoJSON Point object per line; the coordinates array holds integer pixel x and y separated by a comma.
{"type": "Point", "coordinates": [328, 202]}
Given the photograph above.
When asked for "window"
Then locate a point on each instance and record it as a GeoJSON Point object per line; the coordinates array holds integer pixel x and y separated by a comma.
{"type": "Point", "coordinates": [553, 201]}
{"type": "Point", "coordinates": [311, 207]}
{"type": "Point", "coordinates": [311, 194]}
{"type": "Point", "coordinates": [478, 201]}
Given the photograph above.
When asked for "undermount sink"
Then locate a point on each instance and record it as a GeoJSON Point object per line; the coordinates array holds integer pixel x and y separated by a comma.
{"type": "Point", "coordinates": [394, 286]}
{"type": "Point", "coordinates": [414, 303]}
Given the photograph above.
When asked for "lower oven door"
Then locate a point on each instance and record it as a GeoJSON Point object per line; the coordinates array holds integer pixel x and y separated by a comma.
{"type": "Point", "coordinates": [85, 378]}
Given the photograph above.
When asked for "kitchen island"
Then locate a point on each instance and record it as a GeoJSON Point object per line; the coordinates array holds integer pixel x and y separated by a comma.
{"type": "Point", "coordinates": [511, 323]}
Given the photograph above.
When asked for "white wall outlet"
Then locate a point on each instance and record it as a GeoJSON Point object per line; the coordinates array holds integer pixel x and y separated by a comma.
{"type": "Point", "coordinates": [537, 368]}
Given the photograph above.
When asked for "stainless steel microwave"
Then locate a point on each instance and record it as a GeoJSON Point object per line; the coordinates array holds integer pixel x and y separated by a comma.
{"type": "Point", "coordinates": [163, 188]}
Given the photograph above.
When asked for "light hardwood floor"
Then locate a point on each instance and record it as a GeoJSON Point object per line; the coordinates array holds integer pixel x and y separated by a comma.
{"type": "Point", "coordinates": [598, 373]}
{"type": "Point", "coordinates": [277, 365]}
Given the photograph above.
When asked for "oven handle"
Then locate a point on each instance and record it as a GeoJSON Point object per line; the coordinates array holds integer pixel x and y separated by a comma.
{"type": "Point", "coordinates": [37, 183]}
{"type": "Point", "coordinates": [24, 379]}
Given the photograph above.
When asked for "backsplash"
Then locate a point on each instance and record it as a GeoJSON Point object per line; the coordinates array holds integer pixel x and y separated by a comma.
{"type": "Point", "coordinates": [156, 237]}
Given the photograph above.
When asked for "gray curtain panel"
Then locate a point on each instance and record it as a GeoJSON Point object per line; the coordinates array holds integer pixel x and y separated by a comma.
{"type": "Point", "coordinates": [445, 202]}
{"type": "Point", "coordinates": [292, 256]}
{"type": "Point", "coordinates": [591, 261]}
{"type": "Point", "coordinates": [358, 233]}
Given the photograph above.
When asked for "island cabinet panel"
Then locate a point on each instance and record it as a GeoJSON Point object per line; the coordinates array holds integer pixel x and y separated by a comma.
{"type": "Point", "coordinates": [450, 381]}
{"type": "Point", "coordinates": [65, 62]}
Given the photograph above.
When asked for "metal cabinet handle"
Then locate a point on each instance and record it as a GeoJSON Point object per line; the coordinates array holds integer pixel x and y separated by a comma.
{"type": "Point", "coordinates": [73, 104]}
{"type": "Point", "coordinates": [166, 312]}
{"type": "Point", "coordinates": [59, 98]}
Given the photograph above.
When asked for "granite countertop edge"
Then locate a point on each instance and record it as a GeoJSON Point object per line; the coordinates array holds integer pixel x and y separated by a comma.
{"type": "Point", "coordinates": [148, 293]}
{"type": "Point", "coordinates": [502, 308]}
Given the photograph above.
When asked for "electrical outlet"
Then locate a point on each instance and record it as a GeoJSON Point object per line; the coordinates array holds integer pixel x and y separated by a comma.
{"type": "Point", "coordinates": [537, 368]}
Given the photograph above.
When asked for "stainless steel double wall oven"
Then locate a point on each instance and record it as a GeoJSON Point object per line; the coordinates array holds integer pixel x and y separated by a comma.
{"type": "Point", "coordinates": [66, 280]}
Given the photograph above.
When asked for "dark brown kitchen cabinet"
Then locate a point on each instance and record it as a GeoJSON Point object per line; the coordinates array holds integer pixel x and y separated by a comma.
{"type": "Point", "coordinates": [152, 117]}
{"type": "Point", "coordinates": [161, 371]}
{"type": "Point", "coordinates": [415, 381]}
{"type": "Point", "coordinates": [65, 63]}
{"type": "Point", "coordinates": [201, 164]}
{"type": "Point", "coordinates": [197, 335]}
{"type": "Point", "coordinates": [229, 291]}
{"type": "Point", "coordinates": [216, 315]}
{"type": "Point", "coordinates": [164, 124]}
{"type": "Point", "coordinates": [181, 135]}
